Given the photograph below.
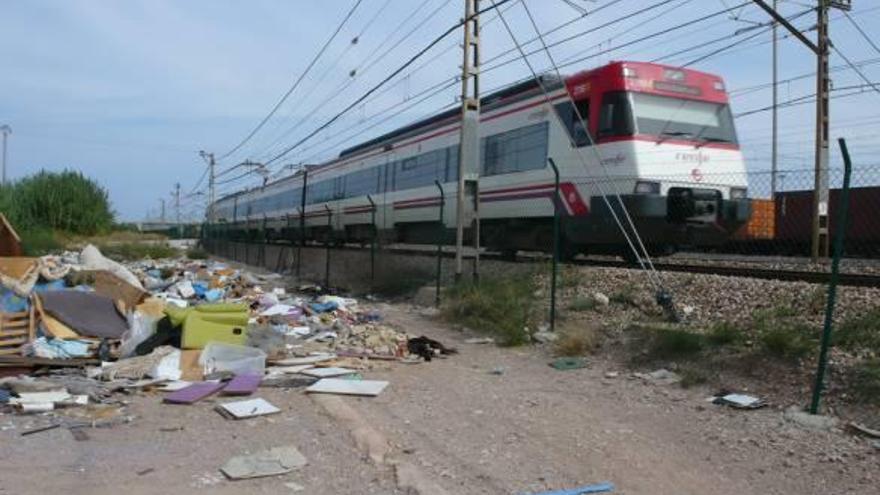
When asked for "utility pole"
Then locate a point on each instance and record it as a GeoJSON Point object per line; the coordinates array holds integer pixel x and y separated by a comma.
{"type": "Point", "coordinates": [177, 208]}
{"type": "Point", "coordinates": [209, 158]}
{"type": "Point", "coordinates": [162, 215]}
{"type": "Point", "coordinates": [774, 165]}
{"type": "Point", "coordinates": [469, 142]}
{"type": "Point", "coordinates": [819, 245]}
{"type": "Point", "coordinates": [820, 187]}
{"type": "Point", "coordinates": [6, 131]}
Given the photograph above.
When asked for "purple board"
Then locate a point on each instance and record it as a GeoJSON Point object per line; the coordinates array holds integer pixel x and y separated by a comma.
{"type": "Point", "coordinates": [194, 393]}
{"type": "Point", "coordinates": [243, 385]}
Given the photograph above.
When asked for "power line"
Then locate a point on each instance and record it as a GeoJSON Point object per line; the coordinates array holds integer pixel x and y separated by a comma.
{"type": "Point", "coordinates": [381, 83]}
{"type": "Point", "coordinates": [355, 73]}
{"type": "Point", "coordinates": [862, 32]}
{"type": "Point", "coordinates": [858, 71]}
{"type": "Point", "coordinates": [802, 100]}
{"type": "Point", "coordinates": [296, 83]}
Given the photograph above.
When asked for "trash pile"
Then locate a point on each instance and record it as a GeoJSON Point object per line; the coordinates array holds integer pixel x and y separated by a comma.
{"type": "Point", "coordinates": [78, 329]}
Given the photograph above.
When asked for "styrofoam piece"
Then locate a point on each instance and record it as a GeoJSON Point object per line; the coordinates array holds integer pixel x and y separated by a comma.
{"type": "Point", "coordinates": [327, 372]}
{"type": "Point", "coordinates": [342, 386]}
{"type": "Point", "coordinates": [247, 408]}
{"type": "Point", "coordinates": [174, 386]}
{"type": "Point", "coordinates": [288, 370]}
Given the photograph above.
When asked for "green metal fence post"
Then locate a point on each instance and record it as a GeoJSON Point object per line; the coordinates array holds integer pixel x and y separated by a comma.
{"type": "Point", "coordinates": [327, 246]}
{"type": "Point", "coordinates": [440, 235]}
{"type": "Point", "coordinates": [840, 233]}
{"type": "Point", "coordinates": [302, 241]}
{"type": "Point", "coordinates": [556, 201]}
{"type": "Point", "coordinates": [373, 242]}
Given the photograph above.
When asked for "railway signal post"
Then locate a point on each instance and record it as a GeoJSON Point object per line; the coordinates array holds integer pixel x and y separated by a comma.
{"type": "Point", "coordinates": [469, 144]}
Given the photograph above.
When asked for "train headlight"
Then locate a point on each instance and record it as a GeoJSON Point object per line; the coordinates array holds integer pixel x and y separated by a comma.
{"type": "Point", "coordinates": [647, 187]}
{"type": "Point", "coordinates": [738, 193]}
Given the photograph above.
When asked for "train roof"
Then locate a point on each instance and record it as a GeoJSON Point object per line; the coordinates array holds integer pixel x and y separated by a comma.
{"type": "Point", "coordinates": [490, 99]}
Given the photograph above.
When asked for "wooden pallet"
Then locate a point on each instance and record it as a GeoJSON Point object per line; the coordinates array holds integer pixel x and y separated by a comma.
{"type": "Point", "coordinates": [16, 329]}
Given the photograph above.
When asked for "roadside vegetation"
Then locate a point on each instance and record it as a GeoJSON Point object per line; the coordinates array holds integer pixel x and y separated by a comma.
{"type": "Point", "coordinates": [52, 211]}
{"type": "Point", "coordinates": [503, 307]}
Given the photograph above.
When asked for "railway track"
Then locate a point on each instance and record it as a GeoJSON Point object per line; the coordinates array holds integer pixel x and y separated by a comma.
{"type": "Point", "coordinates": [815, 277]}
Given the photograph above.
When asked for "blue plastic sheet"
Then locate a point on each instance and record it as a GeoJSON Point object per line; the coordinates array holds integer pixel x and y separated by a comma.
{"type": "Point", "coordinates": [597, 488]}
{"type": "Point", "coordinates": [324, 307]}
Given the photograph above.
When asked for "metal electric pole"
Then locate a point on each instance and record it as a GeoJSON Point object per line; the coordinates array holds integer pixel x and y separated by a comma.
{"type": "Point", "coordinates": [177, 208]}
{"type": "Point", "coordinates": [6, 131]}
{"type": "Point", "coordinates": [209, 158]}
{"type": "Point", "coordinates": [162, 214]}
{"type": "Point", "coordinates": [469, 142]}
{"type": "Point", "coordinates": [774, 164]}
{"type": "Point", "coordinates": [819, 245]}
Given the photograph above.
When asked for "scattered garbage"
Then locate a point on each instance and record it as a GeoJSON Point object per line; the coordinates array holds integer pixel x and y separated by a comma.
{"type": "Point", "coordinates": [370, 388]}
{"type": "Point", "coordinates": [247, 409]}
{"type": "Point", "coordinates": [659, 377]}
{"type": "Point", "coordinates": [802, 418]}
{"type": "Point", "coordinates": [568, 363]}
{"type": "Point", "coordinates": [596, 488]}
{"type": "Point", "coordinates": [272, 462]}
{"type": "Point", "coordinates": [738, 401]}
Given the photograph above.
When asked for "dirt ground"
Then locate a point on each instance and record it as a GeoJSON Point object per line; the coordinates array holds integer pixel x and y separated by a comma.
{"type": "Point", "coordinates": [488, 420]}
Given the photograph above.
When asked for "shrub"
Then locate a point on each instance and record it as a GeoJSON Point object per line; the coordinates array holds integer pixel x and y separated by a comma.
{"type": "Point", "coordinates": [780, 336]}
{"type": "Point", "coordinates": [197, 253]}
{"type": "Point", "coordinates": [39, 242]}
{"type": "Point", "coordinates": [582, 304]}
{"type": "Point", "coordinates": [66, 201]}
{"type": "Point", "coordinates": [131, 251]}
{"type": "Point", "coordinates": [724, 333]}
{"type": "Point", "coordinates": [501, 306]}
{"type": "Point", "coordinates": [626, 296]}
{"type": "Point", "coordinates": [672, 343]}
{"type": "Point", "coordinates": [860, 332]}
{"type": "Point", "coordinates": [866, 381]}
{"type": "Point", "coordinates": [576, 341]}
{"type": "Point", "coordinates": [788, 340]}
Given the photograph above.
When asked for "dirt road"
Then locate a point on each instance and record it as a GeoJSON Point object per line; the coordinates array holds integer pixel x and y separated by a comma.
{"type": "Point", "coordinates": [486, 421]}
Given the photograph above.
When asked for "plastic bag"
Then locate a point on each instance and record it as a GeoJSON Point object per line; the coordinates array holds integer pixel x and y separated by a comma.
{"type": "Point", "coordinates": [140, 327]}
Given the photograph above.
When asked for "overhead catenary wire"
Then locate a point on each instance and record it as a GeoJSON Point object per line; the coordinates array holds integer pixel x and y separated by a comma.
{"type": "Point", "coordinates": [355, 41]}
{"type": "Point", "coordinates": [368, 63]}
{"type": "Point", "coordinates": [862, 32]}
{"type": "Point", "coordinates": [295, 84]}
{"type": "Point", "coordinates": [858, 71]}
{"type": "Point", "coordinates": [372, 90]}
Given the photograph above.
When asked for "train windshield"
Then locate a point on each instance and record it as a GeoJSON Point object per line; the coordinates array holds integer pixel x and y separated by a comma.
{"type": "Point", "coordinates": [666, 118]}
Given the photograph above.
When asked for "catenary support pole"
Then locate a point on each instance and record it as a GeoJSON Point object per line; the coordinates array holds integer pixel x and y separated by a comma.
{"type": "Point", "coordinates": [441, 234]}
{"type": "Point", "coordinates": [841, 224]}
{"type": "Point", "coordinates": [774, 151]}
{"type": "Point", "coordinates": [556, 201]}
{"type": "Point", "coordinates": [469, 141]}
{"type": "Point", "coordinates": [5, 130]}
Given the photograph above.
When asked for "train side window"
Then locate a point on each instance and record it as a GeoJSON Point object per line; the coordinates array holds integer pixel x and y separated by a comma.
{"type": "Point", "coordinates": [615, 118]}
{"type": "Point", "coordinates": [571, 119]}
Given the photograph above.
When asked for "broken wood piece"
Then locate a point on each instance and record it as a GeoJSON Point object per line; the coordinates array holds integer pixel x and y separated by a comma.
{"type": "Point", "coordinates": [40, 429]}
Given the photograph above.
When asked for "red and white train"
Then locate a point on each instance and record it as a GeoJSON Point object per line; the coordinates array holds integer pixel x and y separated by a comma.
{"type": "Point", "coordinates": [661, 137]}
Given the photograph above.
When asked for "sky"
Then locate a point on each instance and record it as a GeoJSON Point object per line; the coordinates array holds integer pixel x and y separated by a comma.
{"type": "Point", "coordinates": [129, 91]}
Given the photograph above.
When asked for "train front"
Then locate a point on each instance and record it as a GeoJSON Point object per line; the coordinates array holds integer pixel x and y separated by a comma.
{"type": "Point", "coordinates": [666, 136]}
